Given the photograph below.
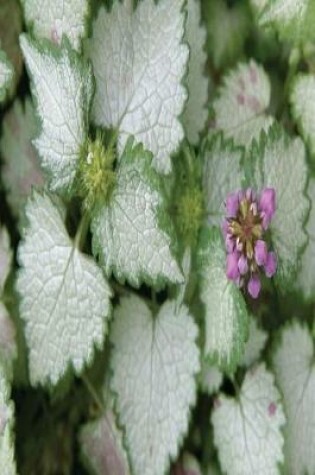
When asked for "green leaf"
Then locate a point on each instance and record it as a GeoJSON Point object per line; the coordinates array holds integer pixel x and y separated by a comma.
{"type": "Point", "coordinates": [222, 175]}
{"type": "Point", "coordinates": [132, 233]}
{"type": "Point", "coordinates": [213, 469]}
{"type": "Point", "coordinates": [255, 343]}
{"type": "Point", "coordinates": [10, 29]}
{"type": "Point", "coordinates": [63, 88]}
{"type": "Point", "coordinates": [228, 28]}
{"type": "Point", "coordinates": [195, 112]}
{"type": "Point", "coordinates": [226, 318]}
{"type": "Point", "coordinates": [6, 75]}
{"type": "Point", "coordinates": [240, 109]}
{"type": "Point", "coordinates": [8, 348]}
{"type": "Point", "coordinates": [303, 106]}
{"type": "Point", "coordinates": [52, 20]}
{"type": "Point", "coordinates": [210, 378]}
{"type": "Point", "coordinates": [258, 6]}
{"type": "Point", "coordinates": [247, 428]}
{"type": "Point", "coordinates": [139, 62]}
{"type": "Point", "coordinates": [292, 19]}
{"type": "Point", "coordinates": [293, 361]}
{"type": "Point", "coordinates": [7, 458]}
{"type": "Point", "coordinates": [64, 297]}
{"type": "Point", "coordinates": [102, 447]}
{"type": "Point", "coordinates": [188, 465]}
{"type": "Point", "coordinates": [6, 256]}
{"type": "Point", "coordinates": [154, 361]}
{"type": "Point", "coordinates": [21, 169]}
{"type": "Point", "coordinates": [306, 275]}
{"type": "Point", "coordinates": [284, 11]}
{"type": "Point", "coordinates": [280, 163]}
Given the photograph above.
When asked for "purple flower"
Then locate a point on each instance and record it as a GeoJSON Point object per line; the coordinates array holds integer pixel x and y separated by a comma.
{"type": "Point", "coordinates": [250, 194]}
{"type": "Point", "coordinates": [271, 264]}
{"type": "Point", "coordinates": [267, 205]}
{"type": "Point", "coordinates": [261, 252]}
{"type": "Point", "coordinates": [243, 265]}
{"type": "Point", "coordinates": [248, 216]}
{"type": "Point", "coordinates": [225, 228]}
{"type": "Point", "coordinates": [232, 271]}
{"type": "Point", "coordinates": [231, 205]}
{"type": "Point", "coordinates": [253, 286]}
{"type": "Point", "coordinates": [229, 244]}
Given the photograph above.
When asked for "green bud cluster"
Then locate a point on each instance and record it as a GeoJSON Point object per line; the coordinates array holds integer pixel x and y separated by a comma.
{"type": "Point", "coordinates": [190, 213]}
{"type": "Point", "coordinates": [96, 172]}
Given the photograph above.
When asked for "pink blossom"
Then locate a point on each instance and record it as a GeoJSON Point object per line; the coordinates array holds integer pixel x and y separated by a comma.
{"type": "Point", "coordinates": [248, 216]}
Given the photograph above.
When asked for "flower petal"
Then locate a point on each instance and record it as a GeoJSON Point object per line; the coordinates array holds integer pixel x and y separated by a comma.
{"type": "Point", "coordinates": [225, 227]}
{"type": "Point", "coordinates": [254, 286]}
{"type": "Point", "coordinates": [261, 252]}
{"type": "Point", "coordinates": [267, 205]}
{"type": "Point", "coordinates": [241, 195]}
{"type": "Point", "coordinates": [250, 195]}
{"type": "Point", "coordinates": [232, 205]}
{"type": "Point", "coordinates": [271, 264]}
{"type": "Point", "coordinates": [232, 271]}
{"type": "Point", "coordinates": [229, 243]}
{"type": "Point", "coordinates": [242, 265]}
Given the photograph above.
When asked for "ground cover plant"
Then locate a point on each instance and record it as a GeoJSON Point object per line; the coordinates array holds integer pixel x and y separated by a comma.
{"type": "Point", "coordinates": [157, 238]}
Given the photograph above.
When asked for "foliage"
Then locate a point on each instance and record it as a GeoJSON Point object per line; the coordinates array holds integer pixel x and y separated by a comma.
{"type": "Point", "coordinates": [157, 282]}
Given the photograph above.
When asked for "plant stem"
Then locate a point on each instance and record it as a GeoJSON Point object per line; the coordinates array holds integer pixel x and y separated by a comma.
{"type": "Point", "coordinates": [190, 160]}
{"type": "Point", "coordinates": [93, 392]}
{"type": "Point", "coordinates": [82, 231]}
{"type": "Point", "coordinates": [113, 139]}
{"type": "Point", "coordinates": [153, 297]}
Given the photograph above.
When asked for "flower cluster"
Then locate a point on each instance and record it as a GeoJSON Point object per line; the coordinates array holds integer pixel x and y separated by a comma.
{"type": "Point", "coordinates": [247, 219]}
